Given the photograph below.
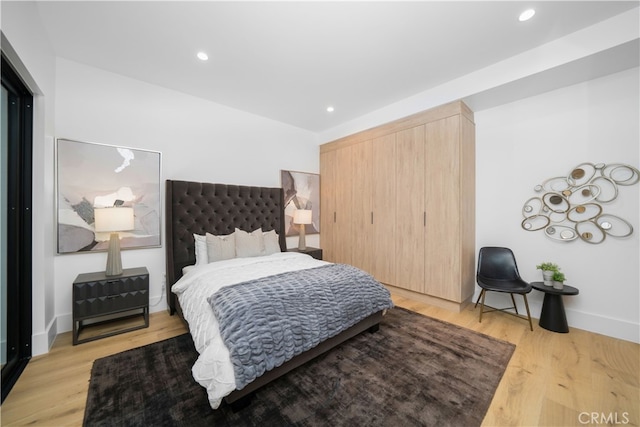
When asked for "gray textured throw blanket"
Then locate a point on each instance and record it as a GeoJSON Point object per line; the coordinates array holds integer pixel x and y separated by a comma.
{"type": "Point", "coordinates": [268, 321]}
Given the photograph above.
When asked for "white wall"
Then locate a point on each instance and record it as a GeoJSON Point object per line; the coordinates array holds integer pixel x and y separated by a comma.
{"type": "Point", "coordinates": [199, 140]}
{"type": "Point", "coordinates": [521, 144]}
{"type": "Point", "coordinates": [27, 47]}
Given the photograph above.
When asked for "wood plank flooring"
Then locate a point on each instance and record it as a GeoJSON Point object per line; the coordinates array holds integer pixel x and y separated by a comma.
{"type": "Point", "coordinates": [573, 379]}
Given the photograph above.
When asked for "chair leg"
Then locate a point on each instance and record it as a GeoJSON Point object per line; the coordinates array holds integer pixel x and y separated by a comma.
{"type": "Point", "coordinates": [482, 294]}
{"type": "Point", "coordinates": [526, 304]}
{"type": "Point", "coordinates": [515, 307]}
{"type": "Point", "coordinates": [478, 300]}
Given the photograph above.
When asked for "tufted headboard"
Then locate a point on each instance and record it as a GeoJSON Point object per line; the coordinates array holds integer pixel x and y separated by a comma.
{"type": "Point", "coordinates": [196, 207]}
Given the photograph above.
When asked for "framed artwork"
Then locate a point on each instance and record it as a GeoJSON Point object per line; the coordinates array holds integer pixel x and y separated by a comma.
{"type": "Point", "coordinates": [301, 191]}
{"type": "Point", "coordinates": [89, 176]}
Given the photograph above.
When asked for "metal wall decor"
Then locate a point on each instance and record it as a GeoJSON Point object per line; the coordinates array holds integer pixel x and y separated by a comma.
{"type": "Point", "coordinates": [570, 207]}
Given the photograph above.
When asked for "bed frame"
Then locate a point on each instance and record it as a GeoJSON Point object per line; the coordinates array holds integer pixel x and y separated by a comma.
{"type": "Point", "coordinates": [197, 208]}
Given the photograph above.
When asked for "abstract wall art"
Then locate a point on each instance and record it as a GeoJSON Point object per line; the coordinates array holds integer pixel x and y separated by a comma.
{"type": "Point", "coordinates": [301, 191]}
{"type": "Point", "coordinates": [90, 175]}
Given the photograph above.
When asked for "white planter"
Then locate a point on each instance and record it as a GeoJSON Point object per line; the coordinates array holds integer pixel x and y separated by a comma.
{"type": "Point", "coordinates": [558, 285]}
{"type": "Point", "coordinates": [548, 277]}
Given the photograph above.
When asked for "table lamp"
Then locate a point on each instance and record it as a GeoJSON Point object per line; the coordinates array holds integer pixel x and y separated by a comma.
{"type": "Point", "coordinates": [112, 220]}
{"type": "Point", "coordinates": [302, 217]}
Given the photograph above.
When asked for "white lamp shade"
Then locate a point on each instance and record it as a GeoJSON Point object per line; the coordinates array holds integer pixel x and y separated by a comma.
{"type": "Point", "coordinates": [113, 219]}
{"type": "Point", "coordinates": [302, 216]}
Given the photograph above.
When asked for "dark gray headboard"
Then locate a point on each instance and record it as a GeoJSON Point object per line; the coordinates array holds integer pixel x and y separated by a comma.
{"type": "Point", "coordinates": [199, 208]}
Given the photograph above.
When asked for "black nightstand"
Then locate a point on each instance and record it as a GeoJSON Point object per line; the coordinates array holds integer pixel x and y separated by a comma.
{"type": "Point", "coordinates": [314, 252]}
{"type": "Point", "coordinates": [96, 295]}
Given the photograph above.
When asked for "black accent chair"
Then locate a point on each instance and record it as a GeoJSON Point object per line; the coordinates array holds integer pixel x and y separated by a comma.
{"type": "Point", "coordinates": [498, 272]}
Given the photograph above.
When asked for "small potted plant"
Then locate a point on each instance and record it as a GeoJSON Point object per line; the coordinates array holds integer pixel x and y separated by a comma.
{"type": "Point", "coordinates": [548, 268]}
{"type": "Point", "coordinates": [558, 279]}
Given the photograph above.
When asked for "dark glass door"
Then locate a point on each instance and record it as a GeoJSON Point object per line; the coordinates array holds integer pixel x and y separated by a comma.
{"type": "Point", "coordinates": [15, 228]}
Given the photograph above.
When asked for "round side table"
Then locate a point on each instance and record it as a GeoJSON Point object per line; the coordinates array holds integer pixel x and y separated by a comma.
{"type": "Point", "coordinates": [553, 316]}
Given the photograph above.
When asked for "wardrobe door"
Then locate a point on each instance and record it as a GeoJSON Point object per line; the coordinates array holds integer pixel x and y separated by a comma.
{"type": "Point", "coordinates": [410, 193]}
{"type": "Point", "coordinates": [467, 208]}
{"type": "Point", "coordinates": [362, 248]}
{"type": "Point", "coordinates": [327, 204]}
{"type": "Point", "coordinates": [443, 238]}
{"type": "Point", "coordinates": [384, 208]}
{"type": "Point", "coordinates": [343, 208]}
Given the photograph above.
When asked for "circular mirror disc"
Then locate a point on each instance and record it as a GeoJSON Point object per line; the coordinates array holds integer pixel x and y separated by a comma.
{"type": "Point", "coordinates": [567, 234]}
{"type": "Point", "coordinates": [567, 193]}
{"type": "Point", "coordinates": [587, 236]}
{"type": "Point", "coordinates": [606, 225]}
{"type": "Point", "coordinates": [577, 173]}
{"type": "Point", "coordinates": [555, 200]}
{"type": "Point", "coordinates": [581, 209]}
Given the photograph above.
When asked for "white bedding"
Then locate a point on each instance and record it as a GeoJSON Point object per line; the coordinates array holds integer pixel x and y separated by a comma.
{"type": "Point", "coordinates": [213, 369]}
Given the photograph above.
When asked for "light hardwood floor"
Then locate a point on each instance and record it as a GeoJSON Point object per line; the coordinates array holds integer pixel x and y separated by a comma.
{"type": "Point", "coordinates": [573, 379]}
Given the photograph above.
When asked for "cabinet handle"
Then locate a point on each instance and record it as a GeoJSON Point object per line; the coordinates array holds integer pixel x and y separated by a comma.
{"type": "Point", "coordinates": [371, 217]}
{"type": "Point", "coordinates": [334, 217]}
{"type": "Point", "coordinates": [424, 220]}
{"type": "Point", "coordinates": [114, 296]}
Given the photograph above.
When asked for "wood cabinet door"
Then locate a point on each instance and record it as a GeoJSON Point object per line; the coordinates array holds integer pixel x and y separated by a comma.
{"type": "Point", "coordinates": [384, 208]}
{"type": "Point", "coordinates": [467, 208]}
{"type": "Point", "coordinates": [343, 208]}
{"type": "Point", "coordinates": [410, 193]}
{"type": "Point", "coordinates": [361, 210]}
{"type": "Point", "coordinates": [442, 193]}
{"type": "Point", "coordinates": [327, 204]}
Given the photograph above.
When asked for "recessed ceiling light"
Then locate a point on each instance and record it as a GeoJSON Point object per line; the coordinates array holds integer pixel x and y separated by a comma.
{"type": "Point", "coordinates": [330, 109]}
{"type": "Point", "coordinates": [202, 56]}
{"type": "Point", "coordinates": [526, 15]}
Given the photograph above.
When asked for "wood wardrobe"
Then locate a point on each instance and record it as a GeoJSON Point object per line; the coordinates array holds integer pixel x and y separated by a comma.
{"type": "Point", "coordinates": [398, 201]}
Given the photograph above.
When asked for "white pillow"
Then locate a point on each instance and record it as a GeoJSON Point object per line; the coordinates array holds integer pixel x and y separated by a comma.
{"type": "Point", "coordinates": [187, 268]}
{"type": "Point", "coordinates": [201, 249]}
{"type": "Point", "coordinates": [249, 244]}
{"type": "Point", "coordinates": [221, 247]}
{"type": "Point", "coordinates": [271, 243]}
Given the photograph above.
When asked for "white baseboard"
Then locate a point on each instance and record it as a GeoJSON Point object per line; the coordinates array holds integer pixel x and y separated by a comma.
{"type": "Point", "coordinates": [616, 328]}
{"type": "Point", "coordinates": [42, 342]}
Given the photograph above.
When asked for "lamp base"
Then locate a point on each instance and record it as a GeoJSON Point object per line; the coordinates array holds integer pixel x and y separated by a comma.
{"type": "Point", "coordinates": [302, 244]}
{"type": "Point", "coordinates": [114, 260]}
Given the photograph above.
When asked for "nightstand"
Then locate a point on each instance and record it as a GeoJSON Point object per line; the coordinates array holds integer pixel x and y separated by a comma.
{"type": "Point", "coordinates": [314, 252]}
{"type": "Point", "coordinates": [97, 296]}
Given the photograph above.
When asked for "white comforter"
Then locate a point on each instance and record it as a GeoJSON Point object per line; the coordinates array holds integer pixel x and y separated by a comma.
{"type": "Point", "coordinates": [213, 369]}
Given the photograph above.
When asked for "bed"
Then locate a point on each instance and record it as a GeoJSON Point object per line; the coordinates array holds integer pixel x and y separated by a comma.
{"type": "Point", "coordinates": [195, 208]}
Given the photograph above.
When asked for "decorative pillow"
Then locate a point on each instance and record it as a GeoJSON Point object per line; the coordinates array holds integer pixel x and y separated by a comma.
{"type": "Point", "coordinates": [271, 243]}
{"type": "Point", "coordinates": [221, 247]}
{"type": "Point", "coordinates": [201, 249]}
{"type": "Point", "coordinates": [249, 244]}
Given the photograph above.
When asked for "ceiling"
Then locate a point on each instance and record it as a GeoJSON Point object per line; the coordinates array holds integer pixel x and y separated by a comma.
{"type": "Point", "coordinates": [289, 61]}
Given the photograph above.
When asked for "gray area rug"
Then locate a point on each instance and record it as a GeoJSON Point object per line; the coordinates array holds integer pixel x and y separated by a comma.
{"type": "Point", "coordinates": [415, 371]}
